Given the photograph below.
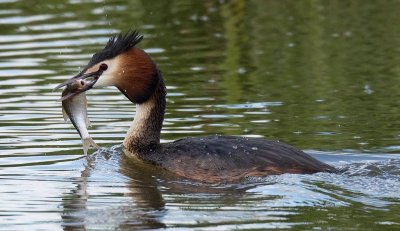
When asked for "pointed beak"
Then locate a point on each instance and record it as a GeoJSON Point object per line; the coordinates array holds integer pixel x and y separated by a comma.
{"type": "Point", "coordinates": [86, 82]}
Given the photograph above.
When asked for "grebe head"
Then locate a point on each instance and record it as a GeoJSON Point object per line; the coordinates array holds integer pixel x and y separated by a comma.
{"type": "Point", "coordinates": [122, 65]}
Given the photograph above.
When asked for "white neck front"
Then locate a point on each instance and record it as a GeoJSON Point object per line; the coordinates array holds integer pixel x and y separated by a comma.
{"type": "Point", "coordinates": [145, 130]}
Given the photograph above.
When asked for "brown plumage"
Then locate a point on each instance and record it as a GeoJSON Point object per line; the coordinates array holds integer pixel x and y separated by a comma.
{"type": "Point", "coordinates": [142, 80]}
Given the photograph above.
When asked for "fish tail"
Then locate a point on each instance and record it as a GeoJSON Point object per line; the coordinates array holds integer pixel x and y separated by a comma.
{"type": "Point", "coordinates": [87, 142]}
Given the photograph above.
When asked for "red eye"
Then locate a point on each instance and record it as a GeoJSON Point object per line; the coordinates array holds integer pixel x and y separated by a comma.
{"type": "Point", "coordinates": [103, 67]}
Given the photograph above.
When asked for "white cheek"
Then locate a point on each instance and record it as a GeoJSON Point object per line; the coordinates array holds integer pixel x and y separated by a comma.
{"type": "Point", "coordinates": [108, 78]}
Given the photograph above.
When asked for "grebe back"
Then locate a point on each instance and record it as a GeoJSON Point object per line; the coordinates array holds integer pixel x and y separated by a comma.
{"type": "Point", "coordinates": [207, 158]}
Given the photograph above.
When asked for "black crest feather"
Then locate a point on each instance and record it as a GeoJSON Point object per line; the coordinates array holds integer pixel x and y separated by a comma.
{"type": "Point", "coordinates": [116, 45]}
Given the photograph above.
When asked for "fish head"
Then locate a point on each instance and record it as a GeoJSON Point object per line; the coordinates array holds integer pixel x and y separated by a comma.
{"type": "Point", "coordinates": [73, 88]}
{"type": "Point", "coordinates": [80, 83]}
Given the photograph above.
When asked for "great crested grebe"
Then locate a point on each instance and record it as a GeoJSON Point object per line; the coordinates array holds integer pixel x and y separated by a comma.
{"type": "Point", "coordinates": [209, 158]}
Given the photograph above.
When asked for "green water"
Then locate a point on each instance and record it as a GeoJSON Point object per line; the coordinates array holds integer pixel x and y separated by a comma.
{"type": "Point", "coordinates": [321, 75]}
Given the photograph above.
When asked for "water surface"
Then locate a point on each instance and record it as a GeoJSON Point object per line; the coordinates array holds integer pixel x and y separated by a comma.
{"type": "Point", "coordinates": [321, 75]}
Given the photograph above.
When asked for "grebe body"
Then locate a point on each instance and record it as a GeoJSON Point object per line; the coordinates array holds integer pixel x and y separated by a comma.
{"type": "Point", "coordinates": [207, 158]}
{"type": "Point", "coordinates": [229, 158]}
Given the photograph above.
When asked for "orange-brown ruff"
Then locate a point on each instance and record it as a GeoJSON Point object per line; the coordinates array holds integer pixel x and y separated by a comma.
{"type": "Point", "coordinates": [209, 158]}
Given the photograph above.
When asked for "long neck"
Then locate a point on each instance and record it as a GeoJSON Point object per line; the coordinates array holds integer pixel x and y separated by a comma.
{"type": "Point", "coordinates": [144, 133]}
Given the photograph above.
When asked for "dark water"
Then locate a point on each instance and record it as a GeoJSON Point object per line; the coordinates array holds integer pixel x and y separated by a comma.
{"type": "Point", "coordinates": [321, 75]}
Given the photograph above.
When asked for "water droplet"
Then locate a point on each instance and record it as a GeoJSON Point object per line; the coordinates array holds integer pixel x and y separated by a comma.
{"type": "Point", "coordinates": [235, 147]}
{"type": "Point", "coordinates": [204, 18]}
{"type": "Point", "coordinates": [194, 17]}
{"type": "Point", "coordinates": [254, 148]}
{"type": "Point", "coordinates": [242, 70]}
{"type": "Point", "coordinates": [197, 68]}
{"type": "Point", "coordinates": [347, 33]}
{"type": "Point", "coordinates": [368, 90]}
{"type": "Point", "coordinates": [335, 35]}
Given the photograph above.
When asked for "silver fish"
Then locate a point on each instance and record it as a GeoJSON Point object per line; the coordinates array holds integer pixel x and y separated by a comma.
{"type": "Point", "coordinates": [75, 108]}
